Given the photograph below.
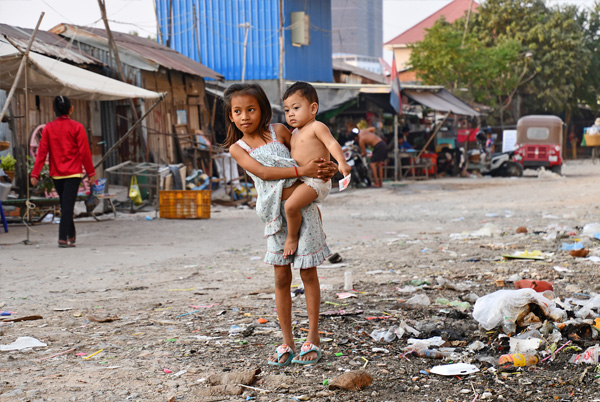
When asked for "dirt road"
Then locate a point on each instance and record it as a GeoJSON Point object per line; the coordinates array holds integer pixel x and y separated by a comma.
{"type": "Point", "coordinates": [160, 297]}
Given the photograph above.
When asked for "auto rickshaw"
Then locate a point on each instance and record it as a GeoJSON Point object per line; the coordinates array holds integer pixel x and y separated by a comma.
{"type": "Point", "coordinates": [539, 142]}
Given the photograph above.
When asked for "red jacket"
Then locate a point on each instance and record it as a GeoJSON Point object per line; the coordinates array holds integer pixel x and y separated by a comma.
{"type": "Point", "coordinates": [67, 143]}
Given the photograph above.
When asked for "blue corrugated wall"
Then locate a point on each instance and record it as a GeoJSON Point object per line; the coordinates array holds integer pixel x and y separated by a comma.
{"type": "Point", "coordinates": [222, 39]}
{"type": "Point", "coordinates": [309, 63]}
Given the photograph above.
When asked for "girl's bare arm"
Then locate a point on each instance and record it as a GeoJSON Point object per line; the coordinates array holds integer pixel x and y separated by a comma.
{"type": "Point", "coordinates": [313, 169]}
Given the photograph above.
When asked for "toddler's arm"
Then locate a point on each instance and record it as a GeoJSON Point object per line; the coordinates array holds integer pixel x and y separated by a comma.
{"type": "Point", "coordinates": [334, 148]}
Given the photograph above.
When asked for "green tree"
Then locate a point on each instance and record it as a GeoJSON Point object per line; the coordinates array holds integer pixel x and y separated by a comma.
{"type": "Point", "coordinates": [517, 52]}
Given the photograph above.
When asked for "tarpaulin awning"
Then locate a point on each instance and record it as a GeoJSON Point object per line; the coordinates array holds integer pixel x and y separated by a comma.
{"type": "Point", "coordinates": [432, 96]}
{"type": "Point", "coordinates": [440, 100]}
{"type": "Point", "coordinates": [50, 77]}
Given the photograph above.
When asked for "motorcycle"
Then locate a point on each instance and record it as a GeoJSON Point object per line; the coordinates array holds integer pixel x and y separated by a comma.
{"type": "Point", "coordinates": [496, 164]}
{"type": "Point", "coordinates": [360, 171]}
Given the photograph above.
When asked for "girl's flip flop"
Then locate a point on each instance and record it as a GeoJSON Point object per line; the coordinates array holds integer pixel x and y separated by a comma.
{"type": "Point", "coordinates": [308, 347]}
{"type": "Point", "coordinates": [281, 350]}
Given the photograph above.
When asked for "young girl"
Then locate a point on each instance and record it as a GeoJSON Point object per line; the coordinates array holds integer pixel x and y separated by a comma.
{"type": "Point", "coordinates": [262, 150]}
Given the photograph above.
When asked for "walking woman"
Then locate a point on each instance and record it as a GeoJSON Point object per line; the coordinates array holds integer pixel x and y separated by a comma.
{"type": "Point", "coordinates": [67, 143]}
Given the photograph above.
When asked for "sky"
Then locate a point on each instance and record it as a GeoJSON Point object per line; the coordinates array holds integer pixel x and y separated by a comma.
{"type": "Point", "coordinates": [139, 15]}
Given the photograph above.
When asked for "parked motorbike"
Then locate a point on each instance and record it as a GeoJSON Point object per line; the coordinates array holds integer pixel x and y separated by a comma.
{"type": "Point", "coordinates": [496, 164]}
{"type": "Point", "coordinates": [360, 171]}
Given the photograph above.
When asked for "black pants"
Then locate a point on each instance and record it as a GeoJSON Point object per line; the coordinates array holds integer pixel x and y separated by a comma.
{"type": "Point", "coordinates": [67, 192]}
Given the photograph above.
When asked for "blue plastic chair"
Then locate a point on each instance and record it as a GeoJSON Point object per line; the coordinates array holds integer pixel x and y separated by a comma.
{"type": "Point", "coordinates": [4, 223]}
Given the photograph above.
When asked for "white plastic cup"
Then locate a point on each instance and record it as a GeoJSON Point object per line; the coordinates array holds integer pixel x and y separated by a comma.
{"type": "Point", "coordinates": [348, 281]}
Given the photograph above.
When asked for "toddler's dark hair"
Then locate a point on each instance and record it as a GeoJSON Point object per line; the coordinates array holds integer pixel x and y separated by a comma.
{"type": "Point", "coordinates": [61, 105]}
{"type": "Point", "coordinates": [254, 90]}
{"type": "Point", "coordinates": [306, 90]}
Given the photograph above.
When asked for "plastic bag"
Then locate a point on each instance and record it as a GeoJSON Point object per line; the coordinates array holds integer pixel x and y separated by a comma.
{"type": "Point", "coordinates": [504, 306]}
{"type": "Point", "coordinates": [590, 356]}
{"type": "Point", "coordinates": [134, 191]}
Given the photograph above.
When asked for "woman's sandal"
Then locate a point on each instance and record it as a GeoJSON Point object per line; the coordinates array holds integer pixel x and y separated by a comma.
{"type": "Point", "coordinates": [71, 240]}
{"type": "Point", "coordinates": [65, 244]}
{"type": "Point", "coordinates": [308, 347]}
{"type": "Point", "coordinates": [281, 350]}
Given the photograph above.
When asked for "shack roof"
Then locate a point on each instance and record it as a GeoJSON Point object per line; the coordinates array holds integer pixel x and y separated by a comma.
{"type": "Point", "coordinates": [150, 51]}
{"type": "Point", "coordinates": [342, 66]}
{"type": "Point", "coordinates": [47, 43]}
{"type": "Point", "coordinates": [451, 12]}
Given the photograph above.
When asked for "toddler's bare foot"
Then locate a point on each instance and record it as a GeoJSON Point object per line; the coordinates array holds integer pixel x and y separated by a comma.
{"type": "Point", "coordinates": [291, 244]}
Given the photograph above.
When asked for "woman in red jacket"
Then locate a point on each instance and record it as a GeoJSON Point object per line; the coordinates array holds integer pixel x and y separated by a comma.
{"type": "Point", "coordinates": [67, 143]}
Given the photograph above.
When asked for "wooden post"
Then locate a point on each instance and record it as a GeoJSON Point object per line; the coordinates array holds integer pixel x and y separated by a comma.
{"type": "Point", "coordinates": [112, 45]}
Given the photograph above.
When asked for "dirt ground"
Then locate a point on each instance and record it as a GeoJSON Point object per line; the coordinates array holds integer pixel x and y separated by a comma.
{"type": "Point", "coordinates": [180, 299]}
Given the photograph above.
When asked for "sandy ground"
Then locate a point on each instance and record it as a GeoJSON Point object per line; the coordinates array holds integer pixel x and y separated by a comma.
{"type": "Point", "coordinates": [146, 275]}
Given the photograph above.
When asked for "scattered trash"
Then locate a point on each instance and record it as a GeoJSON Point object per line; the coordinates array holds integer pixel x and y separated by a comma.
{"type": "Point", "coordinates": [352, 380]}
{"type": "Point", "coordinates": [454, 369]}
{"type": "Point", "coordinates": [581, 253]}
{"type": "Point", "coordinates": [590, 356]}
{"type": "Point", "coordinates": [418, 344]}
{"type": "Point", "coordinates": [518, 360]}
{"type": "Point", "coordinates": [538, 286]}
{"type": "Point", "coordinates": [419, 300]}
{"type": "Point", "coordinates": [22, 342]}
{"type": "Point", "coordinates": [18, 319]}
{"type": "Point", "coordinates": [526, 255]}
{"type": "Point", "coordinates": [524, 345]}
{"type": "Point", "coordinates": [430, 353]}
{"type": "Point", "coordinates": [572, 246]}
{"type": "Point", "coordinates": [107, 318]}
{"type": "Point", "coordinates": [348, 281]}
{"type": "Point", "coordinates": [335, 258]}
{"type": "Point", "coordinates": [504, 307]}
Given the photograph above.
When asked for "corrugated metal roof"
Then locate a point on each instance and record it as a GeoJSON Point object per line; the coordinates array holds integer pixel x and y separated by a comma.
{"type": "Point", "coordinates": [341, 66]}
{"type": "Point", "coordinates": [145, 49]}
{"type": "Point", "coordinates": [48, 44]}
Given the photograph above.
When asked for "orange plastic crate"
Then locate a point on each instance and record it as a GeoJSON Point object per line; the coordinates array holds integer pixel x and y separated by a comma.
{"type": "Point", "coordinates": [185, 204]}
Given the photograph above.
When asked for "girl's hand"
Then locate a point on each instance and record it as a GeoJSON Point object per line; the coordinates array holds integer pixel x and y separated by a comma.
{"type": "Point", "coordinates": [327, 169]}
{"type": "Point", "coordinates": [319, 168]}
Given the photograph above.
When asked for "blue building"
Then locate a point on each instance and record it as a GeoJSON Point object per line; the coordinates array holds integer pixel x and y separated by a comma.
{"type": "Point", "coordinates": [240, 39]}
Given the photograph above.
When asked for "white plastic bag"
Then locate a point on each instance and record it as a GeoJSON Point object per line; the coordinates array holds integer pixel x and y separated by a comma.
{"type": "Point", "coordinates": [503, 307]}
{"type": "Point", "coordinates": [590, 356]}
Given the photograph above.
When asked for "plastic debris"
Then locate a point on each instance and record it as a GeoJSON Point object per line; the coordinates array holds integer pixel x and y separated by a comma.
{"type": "Point", "coordinates": [504, 307]}
{"type": "Point", "coordinates": [454, 369]}
{"type": "Point", "coordinates": [419, 300]}
{"type": "Point", "coordinates": [22, 342]}
{"type": "Point", "coordinates": [590, 356]}
{"type": "Point", "coordinates": [538, 286]}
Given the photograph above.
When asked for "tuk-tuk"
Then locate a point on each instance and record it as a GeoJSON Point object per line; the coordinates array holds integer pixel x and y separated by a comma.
{"type": "Point", "coordinates": [539, 142]}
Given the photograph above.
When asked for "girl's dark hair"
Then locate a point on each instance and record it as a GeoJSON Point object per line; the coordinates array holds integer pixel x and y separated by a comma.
{"type": "Point", "coordinates": [254, 90]}
{"type": "Point", "coordinates": [61, 105]}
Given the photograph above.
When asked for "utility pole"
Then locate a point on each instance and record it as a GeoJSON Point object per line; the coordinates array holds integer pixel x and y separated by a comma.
{"type": "Point", "coordinates": [160, 38]}
{"type": "Point", "coordinates": [112, 45]}
{"type": "Point", "coordinates": [466, 24]}
{"type": "Point", "coordinates": [281, 50]}
{"type": "Point", "coordinates": [197, 35]}
{"type": "Point", "coordinates": [247, 26]}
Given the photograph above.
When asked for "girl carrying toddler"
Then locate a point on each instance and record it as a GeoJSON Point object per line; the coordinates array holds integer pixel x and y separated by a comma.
{"type": "Point", "coordinates": [262, 149]}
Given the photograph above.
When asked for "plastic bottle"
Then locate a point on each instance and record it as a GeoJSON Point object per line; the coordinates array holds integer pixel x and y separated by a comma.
{"type": "Point", "coordinates": [348, 281]}
{"type": "Point", "coordinates": [518, 360]}
{"type": "Point", "coordinates": [430, 353]}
